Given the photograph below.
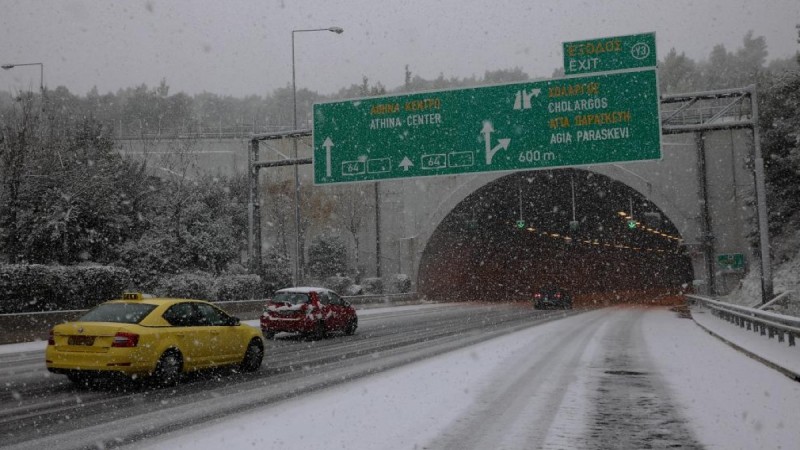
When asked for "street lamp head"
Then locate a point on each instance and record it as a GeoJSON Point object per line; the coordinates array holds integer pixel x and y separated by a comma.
{"type": "Point", "coordinates": [336, 30]}
{"type": "Point", "coordinates": [7, 66]}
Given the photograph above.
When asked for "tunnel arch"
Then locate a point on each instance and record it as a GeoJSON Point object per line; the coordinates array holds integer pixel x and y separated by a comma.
{"type": "Point", "coordinates": [477, 252]}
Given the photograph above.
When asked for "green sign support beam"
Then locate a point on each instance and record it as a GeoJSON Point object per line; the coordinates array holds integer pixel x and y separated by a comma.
{"type": "Point", "coordinates": [612, 53]}
{"type": "Point", "coordinates": [602, 118]}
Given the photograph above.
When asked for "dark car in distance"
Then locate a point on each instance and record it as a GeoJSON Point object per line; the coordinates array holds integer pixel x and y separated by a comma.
{"type": "Point", "coordinates": [552, 297]}
{"type": "Point", "coordinates": [312, 311]}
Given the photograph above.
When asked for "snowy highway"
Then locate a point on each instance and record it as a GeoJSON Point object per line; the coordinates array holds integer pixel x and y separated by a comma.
{"type": "Point", "coordinates": [41, 410]}
{"type": "Point", "coordinates": [426, 225]}
{"type": "Point", "coordinates": [459, 376]}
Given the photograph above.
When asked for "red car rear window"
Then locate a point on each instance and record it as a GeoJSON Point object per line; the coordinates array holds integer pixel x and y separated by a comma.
{"type": "Point", "coordinates": [295, 298]}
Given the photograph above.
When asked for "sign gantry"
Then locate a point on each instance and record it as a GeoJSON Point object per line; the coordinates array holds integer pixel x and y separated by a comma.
{"type": "Point", "coordinates": [601, 118]}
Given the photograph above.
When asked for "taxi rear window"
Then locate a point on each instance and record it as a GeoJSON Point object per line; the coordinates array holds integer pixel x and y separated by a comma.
{"type": "Point", "coordinates": [118, 312]}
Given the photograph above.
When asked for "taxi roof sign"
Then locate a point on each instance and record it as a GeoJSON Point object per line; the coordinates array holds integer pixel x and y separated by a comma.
{"type": "Point", "coordinates": [132, 296]}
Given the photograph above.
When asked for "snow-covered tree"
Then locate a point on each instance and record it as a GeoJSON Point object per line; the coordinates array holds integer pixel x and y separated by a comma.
{"type": "Point", "coordinates": [327, 256]}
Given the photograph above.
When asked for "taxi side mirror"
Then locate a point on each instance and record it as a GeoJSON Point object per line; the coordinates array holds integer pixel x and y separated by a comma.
{"type": "Point", "coordinates": [234, 321]}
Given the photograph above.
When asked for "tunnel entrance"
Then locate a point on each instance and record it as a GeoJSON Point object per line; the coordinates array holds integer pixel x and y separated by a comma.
{"type": "Point", "coordinates": [582, 231]}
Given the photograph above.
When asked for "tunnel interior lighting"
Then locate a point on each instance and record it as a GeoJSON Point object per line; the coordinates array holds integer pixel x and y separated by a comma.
{"type": "Point", "coordinates": [536, 233]}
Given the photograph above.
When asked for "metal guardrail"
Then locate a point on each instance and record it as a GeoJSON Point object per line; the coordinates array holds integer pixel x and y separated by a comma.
{"type": "Point", "coordinates": [366, 299]}
{"type": "Point", "coordinates": [764, 322]}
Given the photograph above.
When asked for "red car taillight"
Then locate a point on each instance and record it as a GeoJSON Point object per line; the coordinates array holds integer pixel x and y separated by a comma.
{"type": "Point", "coordinates": [51, 340]}
{"type": "Point", "coordinates": [123, 339]}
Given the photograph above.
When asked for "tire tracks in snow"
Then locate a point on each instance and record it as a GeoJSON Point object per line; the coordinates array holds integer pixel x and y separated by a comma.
{"type": "Point", "coordinates": [587, 386]}
{"type": "Point", "coordinates": [518, 409]}
{"type": "Point", "coordinates": [633, 408]}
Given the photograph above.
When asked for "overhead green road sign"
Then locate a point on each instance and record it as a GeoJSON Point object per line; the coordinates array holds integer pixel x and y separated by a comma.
{"type": "Point", "coordinates": [603, 118]}
{"type": "Point", "coordinates": [612, 53]}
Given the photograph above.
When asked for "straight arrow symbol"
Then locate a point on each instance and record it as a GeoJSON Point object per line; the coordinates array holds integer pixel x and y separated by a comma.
{"type": "Point", "coordinates": [328, 143]}
{"type": "Point", "coordinates": [405, 163]}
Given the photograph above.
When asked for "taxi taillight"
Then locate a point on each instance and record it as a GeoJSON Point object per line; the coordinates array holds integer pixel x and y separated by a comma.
{"type": "Point", "coordinates": [122, 339]}
{"type": "Point", "coordinates": [51, 340]}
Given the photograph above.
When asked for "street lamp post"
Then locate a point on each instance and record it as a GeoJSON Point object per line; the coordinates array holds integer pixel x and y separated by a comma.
{"type": "Point", "coordinates": [41, 71]}
{"type": "Point", "coordinates": [296, 277]}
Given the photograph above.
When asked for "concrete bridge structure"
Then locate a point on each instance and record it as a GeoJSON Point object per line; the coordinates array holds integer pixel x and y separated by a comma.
{"type": "Point", "coordinates": [703, 187]}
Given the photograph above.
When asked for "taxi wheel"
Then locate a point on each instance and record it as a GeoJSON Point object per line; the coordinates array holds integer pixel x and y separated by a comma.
{"type": "Point", "coordinates": [168, 368]}
{"type": "Point", "coordinates": [253, 356]}
{"type": "Point", "coordinates": [79, 379]}
{"type": "Point", "coordinates": [351, 327]}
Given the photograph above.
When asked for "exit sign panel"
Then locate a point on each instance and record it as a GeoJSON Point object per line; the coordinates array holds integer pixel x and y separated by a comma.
{"type": "Point", "coordinates": [612, 53]}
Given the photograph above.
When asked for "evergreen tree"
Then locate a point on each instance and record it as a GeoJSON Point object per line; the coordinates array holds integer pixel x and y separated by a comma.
{"type": "Point", "coordinates": [327, 257]}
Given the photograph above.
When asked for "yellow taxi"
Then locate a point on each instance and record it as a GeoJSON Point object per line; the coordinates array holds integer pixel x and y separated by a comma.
{"type": "Point", "coordinates": [139, 335]}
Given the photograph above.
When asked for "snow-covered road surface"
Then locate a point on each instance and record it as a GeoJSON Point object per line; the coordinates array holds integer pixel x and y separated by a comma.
{"type": "Point", "coordinates": [612, 378]}
{"type": "Point", "coordinates": [42, 410]}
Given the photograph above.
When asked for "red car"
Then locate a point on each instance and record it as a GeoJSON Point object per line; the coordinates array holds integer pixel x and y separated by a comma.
{"type": "Point", "coordinates": [314, 311]}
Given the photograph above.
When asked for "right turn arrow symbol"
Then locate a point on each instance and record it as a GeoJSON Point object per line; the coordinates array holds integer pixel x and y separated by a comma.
{"type": "Point", "coordinates": [487, 131]}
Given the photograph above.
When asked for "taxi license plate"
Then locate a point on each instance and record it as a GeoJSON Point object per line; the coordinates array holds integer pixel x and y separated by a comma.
{"type": "Point", "coordinates": [81, 340]}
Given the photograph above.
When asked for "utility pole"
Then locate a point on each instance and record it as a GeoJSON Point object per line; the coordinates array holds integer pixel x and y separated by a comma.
{"type": "Point", "coordinates": [298, 257]}
{"type": "Point", "coordinates": [707, 237]}
{"type": "Point", "coordinates": [378, 271]}
{"type": "Point", "coordinates": [798, 41]}
{"type": "Point", "coordinates": [767, 288]}
{"type": "Point", "coordinates": [254, 211]}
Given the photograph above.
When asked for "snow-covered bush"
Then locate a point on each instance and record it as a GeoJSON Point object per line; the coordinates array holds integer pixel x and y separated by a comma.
{"type": "Point", "coordinates": [372, 285]}
{"type": "Point", "coordinates": [238, 287]}
{"type": "Point", "coordinates": [327, 256]}
{"type": "Point", "coordinates": [276, 271]}
{"type": "Point", "coordinates": [150, 258]}
{"type": "Point", "coordinates": [236, 269]}
{"type": "Point", "coordinates": [398, 283]}
{"type": "Point", "coordinates": [196, 285]}
{"type": "Point", "coordinates": [353, 289]}
{"type": "Point", "coordinates": [36, 287]}
{"type": "Point", "coordinates": [26, 287]}
{"type": "Point", "coordinates": [338, 283]}
{"type": "Point", "coordinates": [93, 284]}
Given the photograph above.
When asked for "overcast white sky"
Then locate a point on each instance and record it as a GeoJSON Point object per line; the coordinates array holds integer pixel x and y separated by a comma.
{"type": "Point", "coordinates": [242, 47]}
